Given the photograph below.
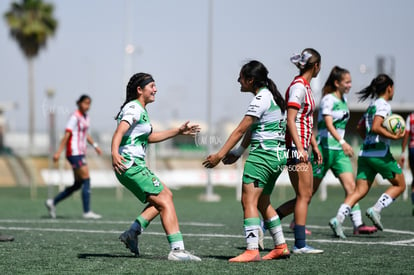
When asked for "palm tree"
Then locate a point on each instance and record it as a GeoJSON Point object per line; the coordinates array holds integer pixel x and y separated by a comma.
{"type": "Point", "coordinates": [31, 23]}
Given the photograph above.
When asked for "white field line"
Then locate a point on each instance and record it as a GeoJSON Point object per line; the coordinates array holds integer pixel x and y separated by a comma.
{"type": "Point", "coordinates": [408, 242]}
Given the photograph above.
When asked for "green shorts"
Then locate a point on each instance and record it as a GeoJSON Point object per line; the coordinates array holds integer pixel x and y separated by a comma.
{"type": "Point", "coordinates": [263, 167]}
{"type": "Point", "coordinates": [369, 167]}
{"type": "Point", "coordinates": [141, 182]}
{"type": "Point", "coordinates": [336, 160]}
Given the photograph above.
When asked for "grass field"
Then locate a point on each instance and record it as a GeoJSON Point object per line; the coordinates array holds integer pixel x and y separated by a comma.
{"type": "Point", "coordinates": [213, 231]}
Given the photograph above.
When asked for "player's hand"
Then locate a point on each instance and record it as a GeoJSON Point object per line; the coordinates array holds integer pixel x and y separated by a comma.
{"type": "Point", "coordinates": [302, 155]}
{"type": "Point", "coordinates": [401, 161]}
{"type": "Point", "coordinates": [317, 156]}
{"type": "Point", "coordinates": [211, 161]}
{"type": "Point", "coordinates": [56, 157]}
{"type": "Point", "coordinates": [118, 163]}
{"type": "Point", "coordinates": [98, 150]}
{"type": "Point", "coordinates": [230, 158]}
{"type": "Point", "coordinates": [399, 135]}
{"type": "Point", "coordinates": [348, 150]}
{"type": "Point", "coordinates": [187, 129]}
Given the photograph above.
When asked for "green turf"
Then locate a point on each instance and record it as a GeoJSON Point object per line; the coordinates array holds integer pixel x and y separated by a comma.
{"type": "Point", "coordinates": [213, 231]}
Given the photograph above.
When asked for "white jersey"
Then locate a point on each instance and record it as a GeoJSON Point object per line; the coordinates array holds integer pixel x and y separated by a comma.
{"type": "Point", "coordinates": [268, 132]}
{"type": "Point", "coordinates": [134, 142]}
{"type": "Point", "coordinates": [77, 126]}
{"type": "Point", "coordinates": [375, 145]}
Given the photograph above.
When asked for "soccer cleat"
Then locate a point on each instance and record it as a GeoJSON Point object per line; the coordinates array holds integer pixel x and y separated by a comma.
{"type": "Point", "coordinates": [247, 256]}
{"type": "Point", "coordinates": [51, 208]}
{"type": "Point", "coordinates": [279, 252]}
{"type": "Point", "coordinates": [292, 226]}
{"type": "Point", "coordinates": [365, 229]}
{"type": "Point", "coordinates": [337, 228]}
{"type": "Point", "coordinates": [306, 250]}
{"type": "Point", "coordinates": [130, 239]}
{"type": "Point", "coordinates": [91, 215]}
{"type": "Point", "coordinates": [375, 218]}
{"type": "Point", "coordinates": [6, 238]}
{"type": "Point", "coordinates": [261, 236]}
{"type": "Point", "coordinates": [182, 255]}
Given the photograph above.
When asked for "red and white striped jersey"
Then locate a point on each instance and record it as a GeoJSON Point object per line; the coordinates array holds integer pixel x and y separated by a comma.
{"type": "Point", "coordinates": [299, 95]}
{"type": "Point", "coordinates": [409, 127]}
{"type": "Point", "coordinates": [77, 126]}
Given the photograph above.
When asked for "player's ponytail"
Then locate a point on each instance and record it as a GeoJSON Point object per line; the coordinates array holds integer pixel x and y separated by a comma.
{"type": "Point", "coordinates": [280, 101]}
{"type": "Point", "coordinates": [257, 71]}
{"type": "Point", "coordinates": [137, 80]}
{"type": "Point", "coordinates": [377, 87]}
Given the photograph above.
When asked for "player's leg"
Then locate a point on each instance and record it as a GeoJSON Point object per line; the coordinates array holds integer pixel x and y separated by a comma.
{"type": "Point", "coordinates": [251, 192]}
{"type": "Point", "coordinates": [274, 226]}
{"type": "Point", "coordinates": [389, 169]}
{"type": "Point", "coordinates": [163, 202]}
{"type": "Point", "coordinates": [301, 177]}
{"type": "Point", "coordinates": [411, 162]}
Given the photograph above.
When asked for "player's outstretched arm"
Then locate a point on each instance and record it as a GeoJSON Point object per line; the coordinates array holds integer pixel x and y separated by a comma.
{"type": "Point", "coordinates": [236, 135]}
{"type": "Point", "coordinates": [185, 129]}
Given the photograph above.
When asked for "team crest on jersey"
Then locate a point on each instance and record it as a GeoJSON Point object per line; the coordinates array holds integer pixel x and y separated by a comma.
{"type": "Point", "coordinates": [156, 182]}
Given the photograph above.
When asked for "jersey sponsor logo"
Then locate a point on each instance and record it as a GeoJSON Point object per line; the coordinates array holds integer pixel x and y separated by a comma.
{"type": "Point", "coordinates": [156, 182]}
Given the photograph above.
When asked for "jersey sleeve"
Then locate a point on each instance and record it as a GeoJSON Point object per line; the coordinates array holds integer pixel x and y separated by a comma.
{"type": "Point", "coordinates": [297, 94]}
{"type": "Point", "coordinates": [131, 114]}
{"type": "Point", "coordinates": [71, 124]}
{"type": "Point", "coordinates": [258, 106]}
{"type": "Point", "coordinates": [327, 105]}
{"type": "Point", "coordinates": [383, 109]}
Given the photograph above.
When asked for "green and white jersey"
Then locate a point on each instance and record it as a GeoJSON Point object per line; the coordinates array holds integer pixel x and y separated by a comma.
{"type": "Point", "coordinates": [338, 109]}
{"type": "Point", "coordinates": [268, 132]}
{"type": "Point", "coordinates": [135, 140]}
{"type": "Point", "coordinates": [375, 145]}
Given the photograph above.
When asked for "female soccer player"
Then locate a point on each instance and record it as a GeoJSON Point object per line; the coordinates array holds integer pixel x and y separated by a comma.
{"type": "Point", "coordinates": [263, 126]}
{"type": "Point", "coordinates": [129, 143]}
{"type": "Point", "coordinates": [299, 137]}
{"type": "Point", "coordinates": [375, 156]}
{"type": "Point", "coordinates": [409, 139]}
{"type": "Point", "coordinates": [74, 140]}
{"type": "Point", "coordinates": [336, 152]}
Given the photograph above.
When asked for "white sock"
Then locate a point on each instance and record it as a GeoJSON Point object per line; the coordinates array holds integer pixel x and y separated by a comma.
{"type": "Point", "coordinates": [275, 228]}
{"type": "Point", "coordinates": [252, 236]}
{"type": "Point", "coordinates": [383, 201]}
{"type": "Point", "coordinates": [343, 211]}
{"type": "Point", "coordinates": [356, 216]}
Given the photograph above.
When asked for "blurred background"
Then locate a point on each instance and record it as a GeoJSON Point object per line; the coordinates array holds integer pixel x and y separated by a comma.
{"type": "Point", "coordinates": [194, 50]}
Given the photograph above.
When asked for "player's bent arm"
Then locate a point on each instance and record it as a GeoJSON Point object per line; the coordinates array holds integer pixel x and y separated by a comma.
{"type": "Point", "coordinates": [291, 127]}
{"type": "Point", "coordinates": [236, 135]}
{"type": "Point", "coordinates": [117, 159]}
{"type": "Point", "coordinates": [377, 128]}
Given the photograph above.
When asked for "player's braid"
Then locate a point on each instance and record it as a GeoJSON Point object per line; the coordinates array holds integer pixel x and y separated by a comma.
{"type": "Point", "coordinates": [131, 89]}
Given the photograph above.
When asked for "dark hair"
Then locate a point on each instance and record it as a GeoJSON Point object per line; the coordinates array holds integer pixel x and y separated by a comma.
{"type": "Point", "coordinates": [306, 60]}
{"type": "Point", "coordinates": [337, 74]}
{"type": "Point", "coordinates": [82, 98]}
{"type": "Point", "coordinates": [377, 87]}
{"type": "Point", "coordinates": [258, 72]}
{"type": "Point", "coordinates": [137, 80]}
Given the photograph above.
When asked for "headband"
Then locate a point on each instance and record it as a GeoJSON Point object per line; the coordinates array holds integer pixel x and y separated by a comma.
{"type": "Point", "coordinates": [144, 82]}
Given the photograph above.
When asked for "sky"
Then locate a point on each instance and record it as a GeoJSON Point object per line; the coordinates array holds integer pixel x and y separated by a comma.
{"type": "Point", "coordinates": [170, 40]}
